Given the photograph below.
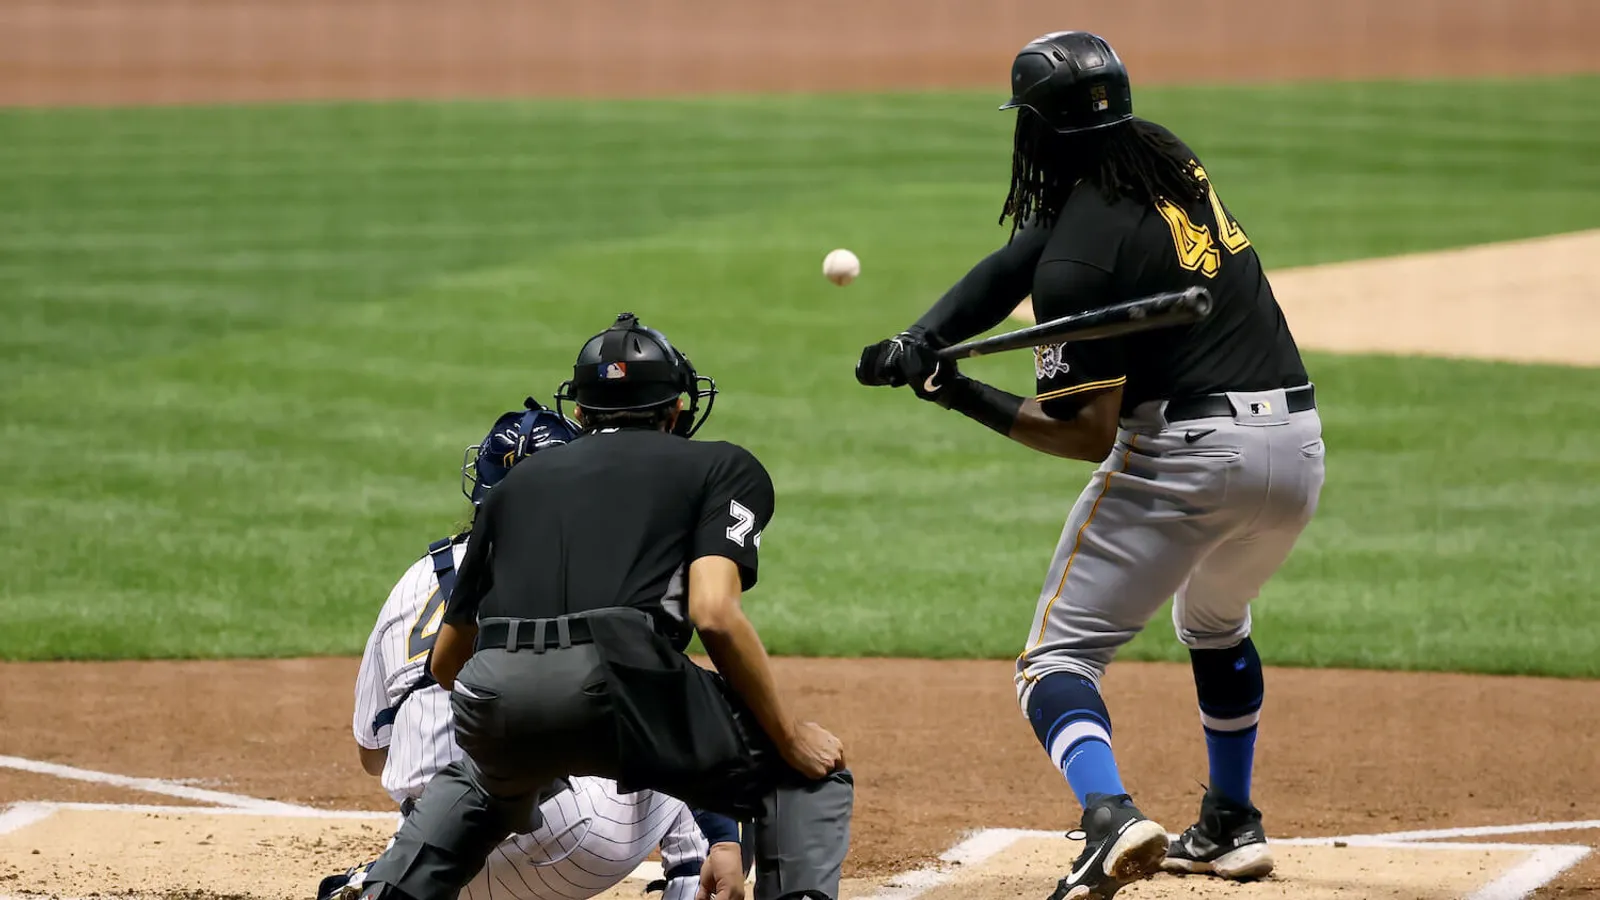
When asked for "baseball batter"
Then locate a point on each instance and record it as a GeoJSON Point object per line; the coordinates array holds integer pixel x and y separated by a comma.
{"type": "Point", "coordinates": [1207, 435]}
{"type": "Point", "coordinates": [592, 835]}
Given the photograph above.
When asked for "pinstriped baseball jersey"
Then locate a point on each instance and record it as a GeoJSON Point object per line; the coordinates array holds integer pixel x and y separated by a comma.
{"type": "Point", "coordinates": [592, 836]}
{"type": "Point", "coordinates": [393, 661]}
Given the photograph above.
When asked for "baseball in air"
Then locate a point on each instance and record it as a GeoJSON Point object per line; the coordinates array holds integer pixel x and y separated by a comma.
{"type": "Point", "coordinates": [841, 267]}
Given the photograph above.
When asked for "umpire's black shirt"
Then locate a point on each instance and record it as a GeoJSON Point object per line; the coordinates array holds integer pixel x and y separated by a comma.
{"type": "Point", "coordinates": [612, 519]}
{"type": "Point", "coordinates": [1100, 252]}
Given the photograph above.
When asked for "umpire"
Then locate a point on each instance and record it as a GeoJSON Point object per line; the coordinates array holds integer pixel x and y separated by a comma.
{"type": "Point", "coordinates": [588, 570]}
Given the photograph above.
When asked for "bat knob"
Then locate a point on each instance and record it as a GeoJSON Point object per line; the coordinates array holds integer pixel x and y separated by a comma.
{"type": "Point", "coordinates": [1199, 300]}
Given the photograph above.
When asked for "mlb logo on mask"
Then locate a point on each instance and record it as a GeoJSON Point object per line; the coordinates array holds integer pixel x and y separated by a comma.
{"type": "Point", "coordinates": [613, 371]}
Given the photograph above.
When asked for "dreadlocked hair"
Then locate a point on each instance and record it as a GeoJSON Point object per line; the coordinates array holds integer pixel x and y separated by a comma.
{"type": "Point", "coordinates": [1135, 160]}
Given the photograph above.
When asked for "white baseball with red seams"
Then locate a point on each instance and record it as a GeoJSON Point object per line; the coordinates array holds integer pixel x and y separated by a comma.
{"type": "Point", "coordinates": [841, 267]}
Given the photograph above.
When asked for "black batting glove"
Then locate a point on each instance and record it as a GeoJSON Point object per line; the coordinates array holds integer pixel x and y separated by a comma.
{"type": "Point", "coordinates": [929, 376]}
{"type": "Point", "coordinates": [907, 359]}
{"type": "Point", "coordinates": [883, 363]}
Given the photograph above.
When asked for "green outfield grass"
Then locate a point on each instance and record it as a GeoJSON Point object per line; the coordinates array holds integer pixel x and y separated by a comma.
{"type": "Point", "coordinates": [244, 348]}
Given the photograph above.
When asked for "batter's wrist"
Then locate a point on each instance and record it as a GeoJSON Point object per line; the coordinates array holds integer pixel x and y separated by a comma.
{"type": "Point", "coordinates": [986, 405]}
{"type": "Point", "coordinates": [927, 336]}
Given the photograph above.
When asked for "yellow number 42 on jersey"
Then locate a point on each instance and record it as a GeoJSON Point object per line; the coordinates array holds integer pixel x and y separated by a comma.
{"type": "Point", "coordinates": [1197, 251]}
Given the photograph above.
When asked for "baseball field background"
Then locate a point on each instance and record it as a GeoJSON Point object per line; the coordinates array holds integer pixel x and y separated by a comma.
{"type": "Point", "coordinates": [267, 268]}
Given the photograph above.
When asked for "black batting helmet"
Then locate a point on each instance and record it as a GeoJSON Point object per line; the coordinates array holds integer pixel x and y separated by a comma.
{"type": "Point", "coordinates": [631, 367]}
{"type": "Point", "coordinates": [1073, 81]}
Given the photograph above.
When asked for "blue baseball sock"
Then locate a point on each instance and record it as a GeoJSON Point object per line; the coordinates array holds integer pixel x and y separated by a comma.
{"type": "Point", "coordinates": [1229, 685]}
{"type": "Point", "coordinates": [1071, 721]}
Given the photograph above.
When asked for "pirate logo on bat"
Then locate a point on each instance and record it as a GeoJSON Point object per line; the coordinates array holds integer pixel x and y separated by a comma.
{"type": "Point", "coordinates": [1048, 361]}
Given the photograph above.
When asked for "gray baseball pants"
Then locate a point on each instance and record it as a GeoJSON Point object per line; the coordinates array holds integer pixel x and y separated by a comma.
{"type": "Point", "coordinates": [525, 718]}
{"type": "Point", "coordinates": [1203, 510]}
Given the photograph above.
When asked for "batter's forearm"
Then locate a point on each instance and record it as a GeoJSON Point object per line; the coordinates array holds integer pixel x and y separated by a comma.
{"type": "Point", "coordinates": [1083, 437]}
{"type": "Point", "coordinates": [985, 295]}
{"type": "Point", "coordinates": [985, 404]}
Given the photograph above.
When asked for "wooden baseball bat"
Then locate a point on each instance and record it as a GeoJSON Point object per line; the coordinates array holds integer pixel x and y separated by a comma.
{"type": "Point", "coordinates": [1183, 307]}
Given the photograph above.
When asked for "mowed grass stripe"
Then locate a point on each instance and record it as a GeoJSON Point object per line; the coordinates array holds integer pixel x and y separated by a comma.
{"type": "Point", "coordinates": [246, 346]}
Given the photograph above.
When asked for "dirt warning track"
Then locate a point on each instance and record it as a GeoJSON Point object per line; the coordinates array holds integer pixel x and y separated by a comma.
{"type": "Point", "coordinates": [56, 52]}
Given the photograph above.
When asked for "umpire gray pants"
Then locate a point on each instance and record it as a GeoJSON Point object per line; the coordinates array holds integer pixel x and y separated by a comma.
{"type": "Point", "coordinates": [503, 706]}
{"type": "Point", "coordinates": [1203, 511]}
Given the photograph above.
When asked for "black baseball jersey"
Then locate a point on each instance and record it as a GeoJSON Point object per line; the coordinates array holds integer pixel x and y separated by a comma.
{"type": "Point", "coordinates": [613, 518]}
{"type": "Point", "coordinates": [1100, 252]}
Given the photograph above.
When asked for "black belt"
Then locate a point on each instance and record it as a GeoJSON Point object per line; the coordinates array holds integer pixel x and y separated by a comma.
{"type": "Point", "coordinates": [537, 635]}
{"type": "Point", "coordinates": [1211, 405]}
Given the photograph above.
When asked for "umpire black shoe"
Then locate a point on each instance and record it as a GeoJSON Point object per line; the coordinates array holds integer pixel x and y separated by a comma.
{"type": "Point", "coordinates": [1228, 841]}
{"type": "Point", "coordinates": [1120, 846]}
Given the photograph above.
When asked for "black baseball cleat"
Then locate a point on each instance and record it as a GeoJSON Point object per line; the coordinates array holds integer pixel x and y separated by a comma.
{"type": "Point", "coordinates": [1228, 841]}
{"type": "Point", "coordinates": [1120, 846]}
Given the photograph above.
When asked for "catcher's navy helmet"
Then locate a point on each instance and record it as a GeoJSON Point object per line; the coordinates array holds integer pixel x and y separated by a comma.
{"type": "Point", "coordinates": [516, 435]}
{"type": "Point", "coordinates": [1072, 80]}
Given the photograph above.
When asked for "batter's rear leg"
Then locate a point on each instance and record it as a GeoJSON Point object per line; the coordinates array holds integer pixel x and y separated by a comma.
{"type": "Point", "coordinates": [1211, 615]}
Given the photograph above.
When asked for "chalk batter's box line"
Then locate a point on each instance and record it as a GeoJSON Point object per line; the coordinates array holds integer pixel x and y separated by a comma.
{"type": "Point", "coordinates": [242, 803]}
{"type": "Point", "coordinates": [163, 786]}
{"type": "Point", "coordinates": [1544, 864]}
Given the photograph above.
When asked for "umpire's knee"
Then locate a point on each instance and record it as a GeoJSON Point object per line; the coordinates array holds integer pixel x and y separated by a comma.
{"type": "Point", "coordinates": [803, 837]}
